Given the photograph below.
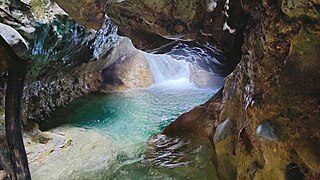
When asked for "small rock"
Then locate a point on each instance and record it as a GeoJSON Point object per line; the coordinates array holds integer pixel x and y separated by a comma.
{"type": "Point", "coordinates": [266, 131]}
{"type": "Point", "coordinates": [43, 140]}
{"type": "Point", "coordinates": [223, 130]}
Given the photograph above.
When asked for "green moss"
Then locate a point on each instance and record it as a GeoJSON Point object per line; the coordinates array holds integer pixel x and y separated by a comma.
{"type": "Point", "coordinates": [298, 8]}
{"type": "Point", "coordinates": [40, 7]}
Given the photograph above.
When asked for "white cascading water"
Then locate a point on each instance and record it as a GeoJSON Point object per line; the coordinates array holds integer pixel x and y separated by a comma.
{"type": "Point", "coordinates": [168, 71]}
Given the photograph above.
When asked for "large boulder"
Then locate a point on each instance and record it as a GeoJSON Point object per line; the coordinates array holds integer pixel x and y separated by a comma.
{"type": "Point", "coordinates": [126, 68]}
{"type": "Point", "coordinates": [199, 121]}
{"type": "Point", "coordinates": [128, 72]}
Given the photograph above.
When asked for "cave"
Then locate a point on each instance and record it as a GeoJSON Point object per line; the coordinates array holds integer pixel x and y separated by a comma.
{"type": "Point", "coordinates": [144, 89]}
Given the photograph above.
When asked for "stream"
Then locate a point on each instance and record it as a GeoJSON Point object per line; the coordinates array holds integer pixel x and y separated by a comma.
{"type": "Point", "coordinates": [131, 121]}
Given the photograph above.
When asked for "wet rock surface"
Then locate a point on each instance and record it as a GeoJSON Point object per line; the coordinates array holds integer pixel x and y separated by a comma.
{"type": "Point", "coordinates": [223, 131]}
{"type": "Point", "coordinates": [128, 72]}
{"type": "Point", "coordinates": [14, 39]}
{"type": "Point", "coordinates": [273, 95]}
{"type": "Point", "coordinates": [266, 131]}
{"type": "Point", "coordinates": [164, 21]}
{"type": "Point", "coordinates": [199, 121]}
{"type": "Point", "coordinates": [72, 153]}
{"type": "Point", "coordinates": [272, 83]}
{"type": "Point", "coordinates": [204, 79]}
{"type": "Point", "coordinates": [127, 68]}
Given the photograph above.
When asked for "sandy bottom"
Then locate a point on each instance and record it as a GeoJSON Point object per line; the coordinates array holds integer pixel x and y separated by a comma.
{"type": "Point", "coordinates": [69, 153]}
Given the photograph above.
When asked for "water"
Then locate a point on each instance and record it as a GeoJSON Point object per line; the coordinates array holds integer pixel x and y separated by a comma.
{"type": "Point", "coordinates": [206, 57]}
{"type": "Point", "coordinates": [131, 120]}
{"type": "Point", "coordinates": [164, 69]}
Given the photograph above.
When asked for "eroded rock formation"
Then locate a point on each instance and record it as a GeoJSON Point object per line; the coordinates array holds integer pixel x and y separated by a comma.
{"type": "Point", "coordinates": [275, 82]}
{"type": "Point", "coordinates": [270, 109]}
{"type": "Point", "coordinates": [268, 121]}
{"type": "Point", "coordinates": [150, 24]}
{"type": "Point", "coordinates": [128, 68]}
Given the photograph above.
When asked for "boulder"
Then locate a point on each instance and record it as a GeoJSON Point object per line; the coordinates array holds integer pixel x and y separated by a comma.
{"type": "Point", "coordinates": [199, 121]}
{"type": "Point", "coordinates": [130, 71]}
{"type": "Point", "coordinates": [125, 68]}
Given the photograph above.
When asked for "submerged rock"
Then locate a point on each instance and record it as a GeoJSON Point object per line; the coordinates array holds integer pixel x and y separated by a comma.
{"type": "Point", "coordinates": [266, 131]}
{"type": "Point", "coordinates": [71, 153]}
{"type": "Point", "coordinates": [224, 129]}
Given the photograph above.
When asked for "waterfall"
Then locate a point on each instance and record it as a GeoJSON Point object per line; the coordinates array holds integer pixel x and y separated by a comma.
{"type": "Point", "coordinates": [168, 71]}
{"type": "Point", "coordinates": [186, 66]}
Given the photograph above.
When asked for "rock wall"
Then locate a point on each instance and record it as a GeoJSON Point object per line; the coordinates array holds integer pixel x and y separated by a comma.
{"type": "Point", "coordinates": [151, 24]}
{"type": "Point", "coordinates": [268, 127]}
{"type": "Point", "coordinates": [272, 97]}
{"type": "Point", "coordinates": [43, 97]}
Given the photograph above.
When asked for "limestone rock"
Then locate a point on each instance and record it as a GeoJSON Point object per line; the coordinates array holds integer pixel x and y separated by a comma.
{"type": "Point", "coordinates": [199, 121]}
{"type": "Point", "coordinates": [126, 68]}
{"type": "Point", "coordinates": [225, 129]}
{"type": "Point", "coordinates": [266, 131]}
{"type": "Point", "coordinates": [203, 78]}
{"type": "Point", "coordinates": [88, 12]}
{"type": "Point", "coordinates": [14, 39]}
{"type": "Point", "coordinates": [308, 151]}
{"type": "Point", "coordinates": [128, 72]}
{"type": "Point", "coordinates": [151, 24]}
{"type": "Point", "coordinates": [72, 153]}
{"type": "Point", "coordinates": [2, 175]}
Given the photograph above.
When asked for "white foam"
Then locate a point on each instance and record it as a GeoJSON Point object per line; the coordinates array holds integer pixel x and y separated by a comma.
{"type": "Point", "coordinates": [165, 69]}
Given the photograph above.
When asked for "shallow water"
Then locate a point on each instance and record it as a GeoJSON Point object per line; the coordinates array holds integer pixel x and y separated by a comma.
{"type": "Point", "coordinates": [131, 121]}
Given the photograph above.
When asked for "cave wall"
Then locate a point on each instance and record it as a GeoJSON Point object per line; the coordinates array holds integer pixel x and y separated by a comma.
{"type": "Point", "coordinates": [267, 125]}
{"type": "Point", "coordinates": [272, 97]}
{"type": "Point", "coordinates": [60, 55]}
{"type": "Point", "coordinates": [151, 23]}
{"type": "Point", "coordinates": [268, 121]}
